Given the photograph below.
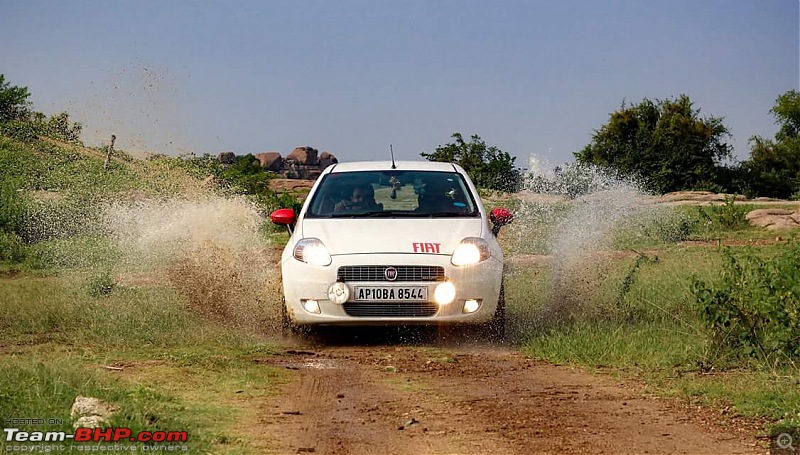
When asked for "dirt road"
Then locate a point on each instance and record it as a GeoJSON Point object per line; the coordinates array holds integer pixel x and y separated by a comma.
{"type": "Point", "coordinates": [401, 398]}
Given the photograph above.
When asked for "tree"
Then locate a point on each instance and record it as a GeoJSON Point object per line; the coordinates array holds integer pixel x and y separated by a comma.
{"type": "Point", "coordinates": [664, 141]}
{"type": "Point", "coordinates": [773, 168]}
{"type": "Point", "coordinates": [14, 103]}
{"type": "Point", "coordinates": [488, 167]}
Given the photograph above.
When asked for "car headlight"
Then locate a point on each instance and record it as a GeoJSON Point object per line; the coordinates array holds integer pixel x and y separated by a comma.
{"type": "Point", "coordinates": [470, 251]}
{"type": "Point", "coordinates": [312, 251]}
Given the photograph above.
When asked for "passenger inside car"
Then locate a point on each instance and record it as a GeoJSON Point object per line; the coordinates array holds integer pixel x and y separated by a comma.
{"type": "Point", "coordinates": [438, 197]}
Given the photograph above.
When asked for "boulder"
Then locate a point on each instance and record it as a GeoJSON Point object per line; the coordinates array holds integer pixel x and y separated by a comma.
{"type": "Point", "coordinates": [774, 219]}
{"type": "Point", "coordinates": [226, 157]}
{"type": "Point", "coordinates": [271, 161]}
{"type": "Point", "coordinates": [326, 159]}
{"type": "Point", "coordinates": [91, 412]}
{"type": "Point", "coordinates": [304, 155]}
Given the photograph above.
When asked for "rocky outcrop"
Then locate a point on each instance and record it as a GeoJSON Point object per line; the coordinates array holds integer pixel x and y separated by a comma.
{"type": "Point", "coordinates": [326, 159]}
{"type": "Point", "coordinates": [698, 197]}
{"type": "Point", "coordinates": [305, 156]}
{"type": "Point", "coordinates": [774, 219]}
{"type": "Point", "coordinates": [271, 161]}
{"type": "Point", "coordinates": [302, 163]}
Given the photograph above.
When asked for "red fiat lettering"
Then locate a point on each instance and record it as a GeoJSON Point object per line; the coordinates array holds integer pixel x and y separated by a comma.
{"type": "Point", "coordinates": [426, 247]}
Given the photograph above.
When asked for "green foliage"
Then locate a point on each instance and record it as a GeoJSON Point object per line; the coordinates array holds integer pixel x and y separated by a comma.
{"type": "Point", "coordinates": [12, 248]}
{"type": "Point", "coordinates": [20, 130]}
{"type": "Point", "coordinates": [754, 309]}
{"type": "Point", "coordinates": [488, 167]}
{"type": "Point", "coordinates": [12, 205]}
{"type": "Point", "coordinates": [672, 229]}
{"type": "Point", "coordinates": [18, 121]}
{"type": "Point", "coordinates": [101, 284]}
{"type": "Point", "coordinates": [60, 127]}
{"type": "Point", "coordinates": [14, 104]}
{"type": "Point", "coordinates": [663, 141]}
{"type": "Point", "coordinates": [773, 168]}
{"type": "Point", "coordinates": [787, 115]}
{"type": "Point", "coordinates": [728, 216]}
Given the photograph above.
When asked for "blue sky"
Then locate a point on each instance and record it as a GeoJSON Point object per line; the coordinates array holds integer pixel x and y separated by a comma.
{"type": "Point", "coordinates": [531, 77]}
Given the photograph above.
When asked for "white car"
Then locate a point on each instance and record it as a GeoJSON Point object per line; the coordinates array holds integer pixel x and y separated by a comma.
{"type": "Point", "coordinates": [379, 243]}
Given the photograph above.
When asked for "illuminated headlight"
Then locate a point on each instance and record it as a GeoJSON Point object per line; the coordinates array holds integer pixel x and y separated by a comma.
{"type": "Point", "coordinates": [312, 251]}
{"type": "Point", "coordinates": [444, 293]}
{"type": "Point", "coordinates": [338, 293]}
{"type": "Point", "coordinates": [470, 251]}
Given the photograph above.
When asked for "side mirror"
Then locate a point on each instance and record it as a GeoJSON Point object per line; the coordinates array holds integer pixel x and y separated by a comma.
{"type": "Point", "coordinates": [284, 217]}
{"type": "Point", "coordinates": [500, 217]}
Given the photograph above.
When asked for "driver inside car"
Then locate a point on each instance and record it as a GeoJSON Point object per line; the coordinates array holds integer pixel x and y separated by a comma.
{"type": "Point", "coordinates": [362, 198]}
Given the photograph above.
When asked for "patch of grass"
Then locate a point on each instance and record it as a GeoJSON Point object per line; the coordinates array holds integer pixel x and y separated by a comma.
{"type": "Point", "coordinates": [638, 347]}
{"type": "Point", "coordinates": [178, 372]}
{"type": "Point", "coordinates": [638, 317]}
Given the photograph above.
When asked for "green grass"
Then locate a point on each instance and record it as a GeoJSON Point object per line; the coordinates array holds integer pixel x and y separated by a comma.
{"type": "Point", "coordinates": [179, 372]}
{"type": "Point", "coordinates": [643, 322]}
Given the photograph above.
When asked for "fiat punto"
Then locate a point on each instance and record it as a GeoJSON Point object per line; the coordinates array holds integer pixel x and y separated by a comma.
{"type": "Point", "coordinates": [383, 243]}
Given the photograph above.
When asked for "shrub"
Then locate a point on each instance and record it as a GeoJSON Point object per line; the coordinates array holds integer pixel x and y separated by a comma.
{"type": "Point", "coordinates": [12, 248]}
{"type": "Point", "coordinates": [100, 284]}
{"type": "Point", "coordinates": [754, 310]}
{"type": "Point", "coordinates": [729, 215]}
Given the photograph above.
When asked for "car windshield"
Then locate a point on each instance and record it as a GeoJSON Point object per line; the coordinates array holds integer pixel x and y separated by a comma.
{"type": "Point", "coordinates": [390, 194]}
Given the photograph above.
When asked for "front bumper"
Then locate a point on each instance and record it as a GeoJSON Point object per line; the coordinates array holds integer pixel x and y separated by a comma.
{"type": "Point", "coordinates": [480, 282]}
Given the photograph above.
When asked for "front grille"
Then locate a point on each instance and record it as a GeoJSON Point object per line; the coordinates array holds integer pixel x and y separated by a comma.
{"type": "Point", "coordinates": [377, 273]}
{"type": "Point", "coordinates": [389, 310]}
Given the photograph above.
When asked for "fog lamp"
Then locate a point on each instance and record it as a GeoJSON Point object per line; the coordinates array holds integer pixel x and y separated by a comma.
{"type": "Point", "coordinates": [338, 293]}
{"type": "Point", "coordinates": [471, 306]}
{"type": "Point", "coordinates": [312, 306]}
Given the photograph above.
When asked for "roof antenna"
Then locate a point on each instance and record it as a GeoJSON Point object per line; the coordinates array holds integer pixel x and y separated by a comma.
{"type": "Point", "coordinates": [391, 150]}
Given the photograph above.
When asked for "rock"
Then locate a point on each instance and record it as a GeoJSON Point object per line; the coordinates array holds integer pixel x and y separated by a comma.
{"type": "Point", "coordinates": [90, 422]}
{"type": "Point", "coordinates": [304, 155]}
{"type": "Point", "coordinates": [91, 412]}
{"type": "Point", "coordinates": [271, 161]}
{"type": "Point", "coordinates": [326, 159]}
{"type": "Point", "coordinates": [768, 212]}
{"type": "Point", "coordinates": [226, 157]}
{"type": "Point", "coordinates": [774, 219]}
{"type": "Point", "coordinates": [699, 196]}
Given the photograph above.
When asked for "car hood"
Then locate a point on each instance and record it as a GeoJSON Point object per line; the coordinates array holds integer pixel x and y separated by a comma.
{"type": "Point", "coordinates": [359, 236]}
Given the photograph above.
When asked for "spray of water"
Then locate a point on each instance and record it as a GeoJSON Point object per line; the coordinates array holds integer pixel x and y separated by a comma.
{"type": "Point", "coordinates": [208, 247]}
{"type": "Point", "coordinates": [566, 220]}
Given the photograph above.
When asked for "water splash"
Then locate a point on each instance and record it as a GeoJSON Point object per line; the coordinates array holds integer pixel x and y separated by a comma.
{"type": "Point", "coordinates": [209, 248]}
{"type": "Point", "coordinates": [565, 229]}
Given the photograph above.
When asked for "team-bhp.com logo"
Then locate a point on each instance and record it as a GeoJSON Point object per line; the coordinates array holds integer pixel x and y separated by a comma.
{"type": "Point", "coordinates": [95, 435]}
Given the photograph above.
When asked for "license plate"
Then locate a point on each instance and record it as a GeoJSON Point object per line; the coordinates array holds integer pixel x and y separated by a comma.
{"type": "Point", "coordinates": [391, 293]}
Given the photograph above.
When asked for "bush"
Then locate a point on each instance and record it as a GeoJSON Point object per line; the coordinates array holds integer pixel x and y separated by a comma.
{"type": "Point", "coordinates": [754, 310]}
{"type": "Point", "coordinates": [12, 248]}
{"type": "Point", "coordinates": [729, 215]}
{"type": "Point", "coordinates": [100, 284]}
{"type": "Point", "coordinates": [672, 229]}
{"type": "Point", "coordinates": [20, 130]}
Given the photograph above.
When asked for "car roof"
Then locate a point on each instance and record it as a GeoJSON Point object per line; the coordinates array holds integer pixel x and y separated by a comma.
{"type": "Point", "coordinates": [387, 165]}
